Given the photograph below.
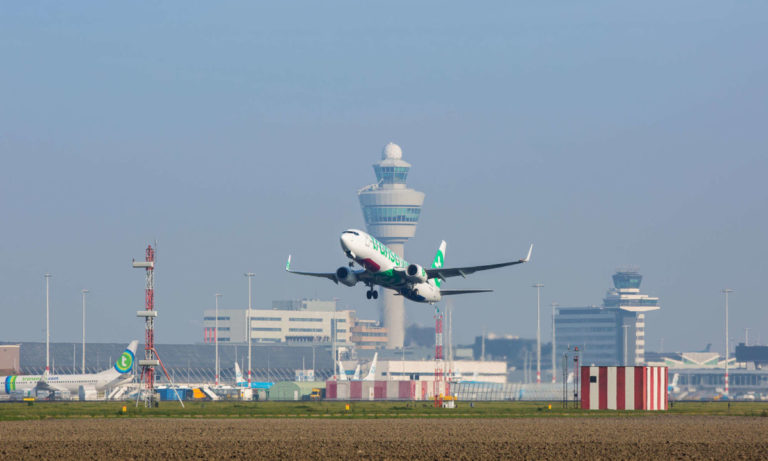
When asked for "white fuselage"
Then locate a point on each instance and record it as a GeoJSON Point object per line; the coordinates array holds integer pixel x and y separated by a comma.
{"type": "Point", "coordinates": [386, 267]}
{"type": "Point", "coordinates": [90, 382]}
{"type": "Point", "coordinates": [26, 383]}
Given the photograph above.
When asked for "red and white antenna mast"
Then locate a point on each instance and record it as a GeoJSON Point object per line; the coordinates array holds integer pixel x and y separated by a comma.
{"type": "Point", "coordinates": [149, 313]}
{"type": "Point", "coordinates": [439, 376]}
{"type": "Point", "coordinates": [151, 357]}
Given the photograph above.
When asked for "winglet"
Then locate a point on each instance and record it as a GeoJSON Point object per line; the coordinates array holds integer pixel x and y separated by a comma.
{"type": "Point", "coordinates": [528, 258]}
{"type": "Point", "coordinates": [288, 264]}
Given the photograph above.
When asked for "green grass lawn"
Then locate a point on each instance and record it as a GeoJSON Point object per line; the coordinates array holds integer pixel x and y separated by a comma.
{"type": "Point", "coordinates": [327, 409]}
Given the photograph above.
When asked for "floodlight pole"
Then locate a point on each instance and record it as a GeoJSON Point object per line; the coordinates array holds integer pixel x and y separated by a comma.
{"type": "Point", "coordinates": [554, 359]}
{"type": "Point", "coordinates": [47, 323]}
{"type": "Point", "coordinates": [726, 291]}
{"type": "Point", "coordinates": [84, 292]}
{"type": "Point", "coordinates": [248, 321]}
{"type": "Point", "coordinates": [333, 343]}
{"type": "Point", "coordinates": [538, 331]}
{"type": "Point", "coordinates": [216, 337]}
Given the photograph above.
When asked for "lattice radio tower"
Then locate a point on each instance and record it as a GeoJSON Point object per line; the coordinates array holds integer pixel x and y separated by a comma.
{"type": "Point", "coordinates": [151, 357]}
{"type": "Point", "coordinates": [439, 370]}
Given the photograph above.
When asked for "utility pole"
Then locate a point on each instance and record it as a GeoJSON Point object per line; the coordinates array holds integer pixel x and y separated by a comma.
{"type": "Point", "coordinates": [248, 321]}
{"type": "Point", "coordinates": [554, 358]}
{"type": "Point", "coordinates": [726, 291]}
{"type": "Point", "coordinates": [538, 331]}
{"type": "Point", "coordinates": [47, 323]}
{"type": "Point", "coordinates": [216, 336]}
{"type": "Point", "coordinates": [84, 292]}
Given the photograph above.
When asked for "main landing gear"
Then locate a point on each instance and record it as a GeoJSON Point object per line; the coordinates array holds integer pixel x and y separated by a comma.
{"type": "Point", "coordinates": [372, 294]}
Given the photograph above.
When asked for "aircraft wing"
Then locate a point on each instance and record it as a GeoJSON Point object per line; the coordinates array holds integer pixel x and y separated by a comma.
{"type": "Point", "coordinates": [461, 292]}
{"type": "Point", "coordinates": [445, 272]}
{"type": "Point", "coordinates": [327, 275]}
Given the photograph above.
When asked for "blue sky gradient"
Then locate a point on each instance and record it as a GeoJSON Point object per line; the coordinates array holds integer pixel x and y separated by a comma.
{"type": "Point", "coordinates": [238, 132]}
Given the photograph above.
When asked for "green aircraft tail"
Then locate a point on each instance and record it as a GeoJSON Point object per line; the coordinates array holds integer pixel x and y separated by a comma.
{"type": "Point", "coordinates": [438, 262]}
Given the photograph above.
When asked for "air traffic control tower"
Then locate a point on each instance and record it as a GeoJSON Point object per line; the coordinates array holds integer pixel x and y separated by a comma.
{"type": "Point", "coordinates": [391, 212]}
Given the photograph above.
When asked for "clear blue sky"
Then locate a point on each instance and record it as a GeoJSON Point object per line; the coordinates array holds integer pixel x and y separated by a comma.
{"type": "Point", "coordinates": [237, 132]}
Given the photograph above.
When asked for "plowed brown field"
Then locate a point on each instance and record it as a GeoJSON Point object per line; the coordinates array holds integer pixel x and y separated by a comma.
{"type": "Point", "coordinates": [651, 437]}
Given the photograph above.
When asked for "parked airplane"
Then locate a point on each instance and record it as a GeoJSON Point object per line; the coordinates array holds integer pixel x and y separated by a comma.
{"type": "Point", "coordinates": [673, 388]}
{"type": "Point", "coordinates": [372, 370]}
{"type": "Point", "coordinates": [342, 373]}
{"type": "Point", "coordinates": [370, 376]}
{"type": "Point", "coordinates": [356, 374]}
{"type": "Point", "coordinates": [381, 266]}
{"type": "Point", "coordinates": [91, 383]}
{"type": "Point", "coordinates": [243, 383]}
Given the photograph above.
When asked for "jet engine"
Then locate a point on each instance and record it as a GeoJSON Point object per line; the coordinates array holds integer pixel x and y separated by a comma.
{"type": "Point", "coordinates": [346, 276]}
{"type": "Point", "coordinates": [416, 274]}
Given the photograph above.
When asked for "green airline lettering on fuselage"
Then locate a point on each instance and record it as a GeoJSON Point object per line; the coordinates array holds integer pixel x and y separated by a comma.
{"type": "Point", "coordinates": [387, 253]}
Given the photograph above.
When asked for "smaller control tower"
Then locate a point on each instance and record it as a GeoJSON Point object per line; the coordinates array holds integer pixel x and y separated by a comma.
{"type": "Point", "coordinates": [391, 212]}
{"type": "Point", "coordinates": [625, 295]}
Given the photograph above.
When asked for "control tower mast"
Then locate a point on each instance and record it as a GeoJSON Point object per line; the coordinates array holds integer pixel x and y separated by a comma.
{"type": "Point", "coordinates": [391, 212]}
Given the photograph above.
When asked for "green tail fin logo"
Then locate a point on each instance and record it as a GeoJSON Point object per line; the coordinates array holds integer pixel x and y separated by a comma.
{"type": "Point", "coordinates": [438, 262]}
{"type": "Point", "coordinates": [125, 362]}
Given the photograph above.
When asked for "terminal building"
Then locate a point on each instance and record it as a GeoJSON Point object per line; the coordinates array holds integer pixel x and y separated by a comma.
{"type": "Point", "coordinates": [368, 334]}
{"type": "Point", "coordinates": [611, 334]}
{"type": "Point", "coordinates": [9, 359]}
{"type": "Point", "coordinates": [424, 370]}
{"type": "Point", "coordinates": [309, 321]}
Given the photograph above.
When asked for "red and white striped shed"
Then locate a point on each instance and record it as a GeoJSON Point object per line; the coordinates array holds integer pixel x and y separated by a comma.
{"type": "Point", "coordinates": [624, 388]}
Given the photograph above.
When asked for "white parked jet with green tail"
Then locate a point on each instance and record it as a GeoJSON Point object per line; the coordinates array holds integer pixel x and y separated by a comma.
{"type": "Point", "coordinates": [382, 267]}
{"type": "Point", "coordinates": [91, 383]}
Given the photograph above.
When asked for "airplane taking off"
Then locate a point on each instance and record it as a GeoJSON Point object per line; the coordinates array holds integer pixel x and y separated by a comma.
{"type": "Point", "coordinates": [91, 382]}
{"type": "Point", "coordinates": [383, 267]}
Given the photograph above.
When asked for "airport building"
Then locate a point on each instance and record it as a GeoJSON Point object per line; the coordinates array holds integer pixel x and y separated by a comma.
{"type": "Point", "coordinates": [368, 334]}
{"type": "Point", "coordinates": [391, 369]}
{"type": "Point", "coordinates": [689, 360]}
{"type": "Point", "coordinates": [391, 211]}
{"type": "Point", "coordinates": [9, 359]}
{"type": "Point", "coordinates": [424, 370]}
{"type": "Point", "coordinates": [309, 321]}
{"type": "Point", "coordinates": [611, 334]}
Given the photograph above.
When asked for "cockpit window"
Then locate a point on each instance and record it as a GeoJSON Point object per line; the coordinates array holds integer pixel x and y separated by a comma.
{"type": "Point", "coordinates": [351, 232]}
